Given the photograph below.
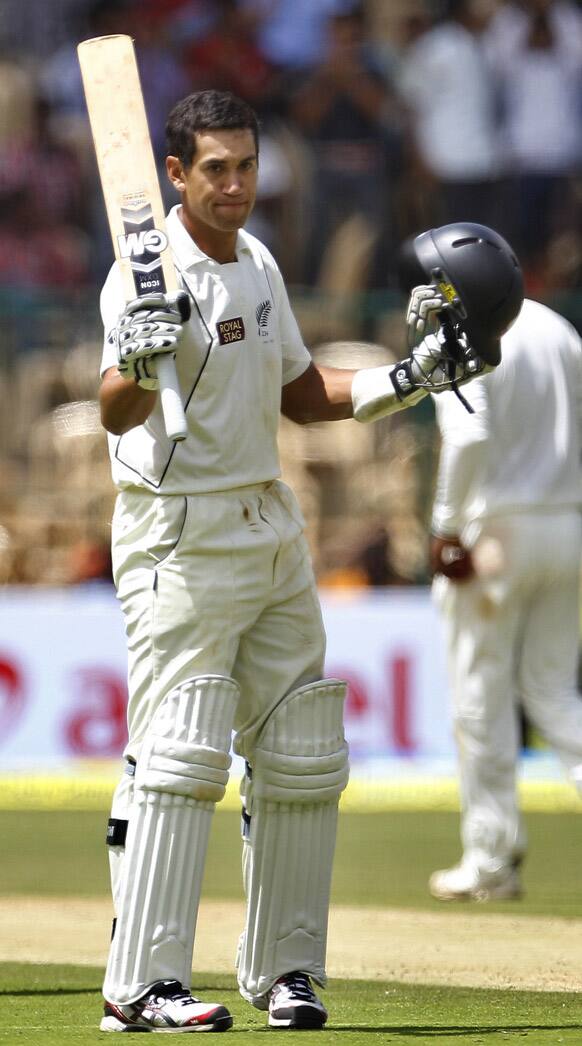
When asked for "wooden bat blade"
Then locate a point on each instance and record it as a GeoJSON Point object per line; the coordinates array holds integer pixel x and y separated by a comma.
{"type": "Point", "coordinates": [131, 189]}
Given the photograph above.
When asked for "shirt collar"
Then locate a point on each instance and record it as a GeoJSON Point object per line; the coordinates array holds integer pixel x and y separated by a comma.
{"type": "Point", "coordinates": [186, 251]}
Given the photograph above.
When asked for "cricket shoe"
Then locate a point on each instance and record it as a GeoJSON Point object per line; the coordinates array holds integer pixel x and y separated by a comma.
{"type": "Point", "coordinates": [166, 1007]}
{"type": "Point", "coordinates": [466, 883]}
{"type": "Point", "coordinates": [294, 1004]}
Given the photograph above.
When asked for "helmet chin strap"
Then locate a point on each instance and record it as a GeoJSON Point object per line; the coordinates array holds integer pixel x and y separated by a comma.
{"type": "Point", "coordinates": [452, 348]}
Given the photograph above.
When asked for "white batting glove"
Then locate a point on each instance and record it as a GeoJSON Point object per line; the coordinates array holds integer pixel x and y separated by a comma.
{"type": "Point", "coordinates": [432, 367]}
{"type": "Point", "coordinates": [148, 327]}
{"type": "Point", "coordinates": [380, 391]}
{"type": "Point", "coordinates": [422, 314]}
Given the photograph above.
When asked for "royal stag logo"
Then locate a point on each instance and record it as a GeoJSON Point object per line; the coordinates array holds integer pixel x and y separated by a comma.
{"type": "Point", "coordinates": [262, 312]}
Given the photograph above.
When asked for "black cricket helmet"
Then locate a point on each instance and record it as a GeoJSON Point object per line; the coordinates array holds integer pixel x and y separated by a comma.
{"type": "Point", "coordinates": [478, 273]}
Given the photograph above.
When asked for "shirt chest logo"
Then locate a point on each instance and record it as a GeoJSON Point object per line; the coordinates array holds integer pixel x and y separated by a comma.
{"type": "Point", "coordinates": [263, 312]}
{"type": "Point", "coordinates": [230, 330]}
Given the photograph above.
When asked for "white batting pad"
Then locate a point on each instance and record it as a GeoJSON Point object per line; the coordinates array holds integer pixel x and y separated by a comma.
{"type": "Point", "coordinates": [181, 774]}
{"type": "Point", "coordinates": [299, 771]}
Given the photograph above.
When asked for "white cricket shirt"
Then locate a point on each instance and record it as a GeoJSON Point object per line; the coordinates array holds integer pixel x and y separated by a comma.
{"type": "Point", "coordinates": [521, 449]}
{"type": "Point", "coordinates": [241, 345]}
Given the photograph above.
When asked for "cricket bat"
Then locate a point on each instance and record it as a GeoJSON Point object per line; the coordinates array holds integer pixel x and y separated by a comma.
{"type": "Point", "coordinates": [131, 189]}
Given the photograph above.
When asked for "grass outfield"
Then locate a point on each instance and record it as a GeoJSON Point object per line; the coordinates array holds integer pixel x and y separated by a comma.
{"type": "Point", "coordinates": [383, 859]}
{"type": "Point", "coordinates": [56, 1006]}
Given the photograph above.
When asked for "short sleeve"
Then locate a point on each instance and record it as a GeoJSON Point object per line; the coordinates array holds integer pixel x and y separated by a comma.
{"type": "Point", "coordinates": [111, 304]}
{"type": "Point", "coordinates": [295, 356]}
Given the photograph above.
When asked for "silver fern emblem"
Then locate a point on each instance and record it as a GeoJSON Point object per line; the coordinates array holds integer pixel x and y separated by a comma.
{"type": "Point", "coordinates": [262, 312]}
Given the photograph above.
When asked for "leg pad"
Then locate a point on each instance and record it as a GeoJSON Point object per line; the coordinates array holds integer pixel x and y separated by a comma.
{"type": "Point", "coordinates": [291, 798]}
{"type": "Point", "coordinates": [181, 774]}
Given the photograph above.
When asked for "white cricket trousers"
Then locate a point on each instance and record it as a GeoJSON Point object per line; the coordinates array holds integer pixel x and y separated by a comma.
{"type": "Point", "coordinates": [216, 584]}
{"type": "Point", "coordinates": [513, 636]}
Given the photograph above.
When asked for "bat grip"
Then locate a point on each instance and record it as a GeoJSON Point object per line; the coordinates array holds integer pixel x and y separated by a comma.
{"type": "Point", "coordinates": [171, 397]}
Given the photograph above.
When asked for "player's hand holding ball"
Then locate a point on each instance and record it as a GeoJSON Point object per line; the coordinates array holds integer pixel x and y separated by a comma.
{"type": "Point", "coordinates": [448, 556]}
{"type": "Point", "coordinates": [149, 327]}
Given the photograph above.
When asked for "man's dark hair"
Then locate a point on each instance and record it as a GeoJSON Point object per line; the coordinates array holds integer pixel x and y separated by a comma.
{"type": "Point", "coordinates": [206, 111]}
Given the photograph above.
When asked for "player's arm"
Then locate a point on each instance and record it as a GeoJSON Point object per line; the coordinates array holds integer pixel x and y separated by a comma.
{"type": "Point", "coordinates": [123, 404]}
{"type": "Point", "coordinates": [319, 394]}
{"type": "Point", "coordinates": [332, 394]}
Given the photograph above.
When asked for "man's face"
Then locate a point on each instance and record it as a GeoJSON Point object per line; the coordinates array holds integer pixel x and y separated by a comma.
{"type": "Point", "coordinates": [219, 189]}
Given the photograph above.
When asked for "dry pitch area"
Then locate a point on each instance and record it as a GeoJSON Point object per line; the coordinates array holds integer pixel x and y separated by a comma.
{"type": "Point", "coordinates": [472, 949]}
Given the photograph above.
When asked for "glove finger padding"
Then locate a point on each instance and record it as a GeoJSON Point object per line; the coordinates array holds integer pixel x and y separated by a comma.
{"type": "Point", "coordinates": [149, 326]}
{"type": "Point", "coordinates": [424, 305]}
{"type": "Point", "coordinates": [434, 368]}
{"type": "Point", "coordinates": [178, 302]}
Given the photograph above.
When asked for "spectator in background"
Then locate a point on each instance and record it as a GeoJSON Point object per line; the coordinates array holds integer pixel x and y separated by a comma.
{"type": "Point", "coordinates": [37, 252]}
{"type": "Point", "coordinates": [44, 241]}
{"type": "Point", "coordinates": [535, 49]}
{"type": "Point", "coordinates": [364, 563]}
{"type": "Point", "coordinates": [448, 89]}
{"type": "Point", "coordinates": [292, 34]}
{"type": "Point", "coordinates": [18, 95]}
{"type": "Point", "coordinates": [90, 562]}
{"type": "Point", "coordinates": [37, 27]}
{"type": "Point", "coordinates": [163, 78]}
{"type": "Point", "coordinates": [184, 20]}
{"type": "Point", "coordinates": [59, 179]}
{"type": "Point", "coordinates": [59, 75]}
{"type": "Point", "coordinates": [228, 57]}
{"type": "Point", "coordinates": [347, 113]}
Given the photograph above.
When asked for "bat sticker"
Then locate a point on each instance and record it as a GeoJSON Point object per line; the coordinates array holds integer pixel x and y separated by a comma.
{"type": "Point", "coordinates": [142, 244]}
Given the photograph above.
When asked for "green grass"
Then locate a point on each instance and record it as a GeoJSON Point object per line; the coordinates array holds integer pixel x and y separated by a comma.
{"type": "Point", "coordinates": [382, 859]}
{"type": "Point", "coordinates": [61, 1006]}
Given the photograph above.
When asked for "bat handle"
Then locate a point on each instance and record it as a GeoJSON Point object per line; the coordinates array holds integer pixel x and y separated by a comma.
{"type": "Point", "coordinates": [174, 417]}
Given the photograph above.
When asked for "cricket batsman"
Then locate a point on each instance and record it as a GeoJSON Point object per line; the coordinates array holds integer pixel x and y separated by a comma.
{"type": "Point", "coordinates": [222, 619]}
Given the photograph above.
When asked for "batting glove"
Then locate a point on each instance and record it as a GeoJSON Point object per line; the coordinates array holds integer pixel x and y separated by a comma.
{"type": "Point", "coordinates": [436, 365]}
{"type": "Point", "coordinates": [422, 314]}
{"type": "Point", "coordinates": [441, 361]}
{"type": "Point", "coordinates": [148, 327]}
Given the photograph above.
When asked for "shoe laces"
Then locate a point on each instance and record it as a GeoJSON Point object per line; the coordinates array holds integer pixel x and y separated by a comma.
{"type": "Point", "coordinates": [173, 991]}
{"type": "Point", "coordinates": [296, 984]}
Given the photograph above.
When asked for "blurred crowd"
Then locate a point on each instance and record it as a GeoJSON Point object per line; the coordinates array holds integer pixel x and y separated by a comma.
{"type": "Point", "coordinates": [379, 118]}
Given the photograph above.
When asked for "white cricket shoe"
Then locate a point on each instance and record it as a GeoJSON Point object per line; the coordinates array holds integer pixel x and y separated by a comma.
{"type": "Point", "coordinates": [466, 883]}
{"type": "Point", "coordinates": [166, 1007]}
{"type": "Point", "coordinates": [294, 1004]}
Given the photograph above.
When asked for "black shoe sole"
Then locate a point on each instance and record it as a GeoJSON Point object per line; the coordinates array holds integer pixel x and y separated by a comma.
{"type": "Point", "coordinates": [222, 1024]}
{"type": "Point", "coordinates": [300, 1022]}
